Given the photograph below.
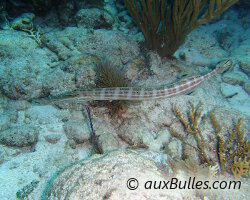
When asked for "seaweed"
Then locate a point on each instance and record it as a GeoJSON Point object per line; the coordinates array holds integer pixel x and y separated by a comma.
{"type": "Point", "coordinates": [108, 76]}
{"type": "Point", "coordinates": [232, 152]}
{"type": "Point", "coordinates": [165, 24]}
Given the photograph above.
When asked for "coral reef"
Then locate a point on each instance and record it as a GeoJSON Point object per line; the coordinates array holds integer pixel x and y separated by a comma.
{"type": "Point", "coordinates": [166, 25]}
{"type": "Point", "coordinates": [232, 153]}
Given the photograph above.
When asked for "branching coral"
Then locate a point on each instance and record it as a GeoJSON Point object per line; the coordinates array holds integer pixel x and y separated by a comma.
{"type": "Point", "coordinates": [192, 128]}
{"type": "Point", "coordinates": [235, 147]}
{"type": "Point", "coordinates": [165, 24]}
{"type": "Point", "coordinates": [240, 167]}
{"type": "Point", "coordinates": [35, 34]}
{"type": "Point", "coordinates": [232, 153]}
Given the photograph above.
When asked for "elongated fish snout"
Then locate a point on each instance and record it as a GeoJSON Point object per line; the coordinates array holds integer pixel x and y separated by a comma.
{"type": "Point", "coordinates": [224, 66]}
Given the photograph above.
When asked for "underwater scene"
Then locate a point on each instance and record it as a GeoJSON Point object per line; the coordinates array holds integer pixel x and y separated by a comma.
{"type": "Point", "coordinates": [124, 99]}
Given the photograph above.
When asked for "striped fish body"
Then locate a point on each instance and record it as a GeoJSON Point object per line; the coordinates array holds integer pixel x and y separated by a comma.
{"type": "Point", "coordinates": [132, 93]}
{"type": "Point", "coordinates": [120, 93]}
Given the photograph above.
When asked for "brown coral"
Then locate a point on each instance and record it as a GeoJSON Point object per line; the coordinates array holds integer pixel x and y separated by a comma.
{"type": "Point", "coordinates": [192, 128]}
{"type": "Point", "coordinates": [240, 167]}
{"type": "Point", "coordinates": [166, 25]}
{"type": "Point", "coordinates": [236, 145]}
{"type": "Point", "coordinates": [232, 153]}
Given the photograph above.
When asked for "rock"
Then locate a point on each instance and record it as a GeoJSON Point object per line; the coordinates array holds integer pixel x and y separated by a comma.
{"type": "Point", "coordinates": [45, 114]}
{"type": "Point", "coordinates": [107, 142]}
{"type": "Point", "coordinates": [110, 6]}
{"type": "Point", "coordinates": [67, 10]}
{"type": "Point", "coordinates": [71, 143]}
{"type": "Point", "coordinates": [1, 157]}
{"type": "Point", "coordinates": [19, 136]}
{"type": "Point", "coordinates": [125, 19]}
{"type": "Point", "coordinates": [67, 63]}
{"type": "Point", "coordinates": [106, 177]}
{"type": "Point", "coordinates": [196, 54]}
{"type": "Point", "coordinates": [237, 97]}
{"type": "Point", "coordinates": [245, 67]}
{"type": "Point", "coordinates": [5, 122]}
{"type": "Point", "coordinates": [241, 53]}
{"type": "Point", "coordinates": [135, 133]}
{"type": "Point", "coordinates": [133, 71]}
{"type": "Point", "coordinates": [78, 131]}
{"type": "Point", "coordinates": [18, 105]}
{"type": "Point", "coordinates": [52, 138]}
{"type": "Point", "coordinates": [15, 70]}
{"type": "Point", "coordinates": [230, 91]}
{"type": "Point", "coordinates": [174, 149]}
{"type": "Point", "coordinates": [83, 67]}
{"type": "Point", "coordinates": [162, 139]}
{"type": "Point", "coordinates": [226, 116]}
{"type": "Point", "coordinates": [193, 56]}
{"type": "Point", "coordinates": [3, 102]}
{"type": "Point", "coordinates": [24, 21]}
{"type": "Point", "coordinates": [60, 45]}
{"type": "Point", "coordinates": [246, 87]}
{"type": "Point", "coordinates": [235, 78]}
{"type": "Point", "coordinates": [94, 18]}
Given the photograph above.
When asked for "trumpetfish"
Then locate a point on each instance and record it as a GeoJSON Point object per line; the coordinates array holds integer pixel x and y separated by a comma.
{"type": "Point", "coordinates": [138, 93]}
